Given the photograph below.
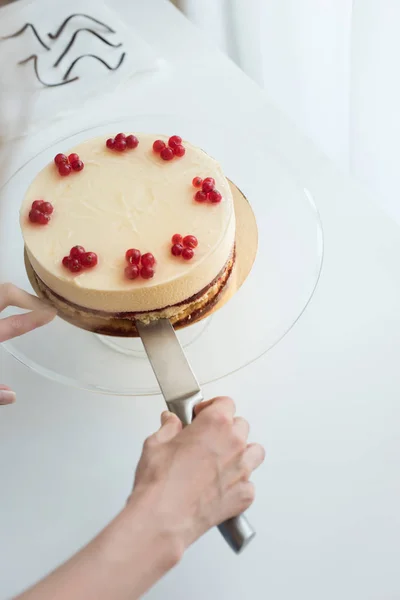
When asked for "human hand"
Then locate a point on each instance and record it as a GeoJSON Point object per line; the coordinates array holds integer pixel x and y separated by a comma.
{"type": "Point", "coordinates": [198, 477]}
{"type": "Point", "coordinates": [10, 327]}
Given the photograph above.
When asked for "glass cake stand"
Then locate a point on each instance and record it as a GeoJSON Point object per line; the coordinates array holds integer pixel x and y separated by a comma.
{"type": "Point", "coordinates": [272, 299]}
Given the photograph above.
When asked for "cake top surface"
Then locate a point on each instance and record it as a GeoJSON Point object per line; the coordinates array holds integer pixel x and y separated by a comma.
{"type": "Point", "coordinates": [123, 200]}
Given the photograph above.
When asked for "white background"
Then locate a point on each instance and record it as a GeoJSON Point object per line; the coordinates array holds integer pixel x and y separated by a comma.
{"type": "Point", "coordinates": [331, 66]}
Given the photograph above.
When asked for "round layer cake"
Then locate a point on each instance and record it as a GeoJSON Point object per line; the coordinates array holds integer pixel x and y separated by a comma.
{"type": "Point", "coordinates": [108, 200]}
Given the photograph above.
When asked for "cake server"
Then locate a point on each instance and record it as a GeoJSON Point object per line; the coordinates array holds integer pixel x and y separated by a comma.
{"type": "Point", "coordinates": [182, 392]}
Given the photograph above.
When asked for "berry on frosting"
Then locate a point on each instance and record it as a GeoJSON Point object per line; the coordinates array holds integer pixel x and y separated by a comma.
{"type": "Point", "coordinates": [208, 193]}
{"type": "Point", "coordinates": [179, 150]}
{"type": "Point", "coordinates": [167, 153]}
{"type": "Point", "coordinates": [187, 253]}
{"type": "Point", "coordinates": [208, 184]}
{"type": "Point", "coordinates": [132, 272]}
{"type": "Point", "coordinates": [184, 246]}
{"type": "Point", "coordinates": [174, 140]}
{"type": "Point", "coordinates": [200, 196]}
{"type": "Point", "coordinates": [65, 169]}
{"type": "Point", "coordinates": [148, 260]}
{"type": "Point", "coordinates": [89, 260]}
{"type": "Point", "coordinates": [133, 256]}
{"type": "Point", "coordinates": [176, 238]}
{"type": "Point", "coordinates": [120, 145]}
{"type": "Point", "coordinates": [158, 146]}
{"type": "Point", "coordinates": [79, 259]}
{"type": "Point", "coordinates": [214, 196]}
{"type": "Point", "coordinates": [60, 159]}
{"type": "Point", "coordinates": [139, 265]}
{"type": "Point", "coordinates": [122, 142]}
{"type": "Point", "coordinates": [67, 164]}
{"type": "Point", "coordinates": [72, 158]}
{"type": "Point", "coordinates": [40, 212]}
{"type": "Point", "coordinates": [197, 182]}
{"type": "Point", "coordinates": [77, 165]}
{"type": "Point", "coordinates": [190, 241]}
{"type": "Point", "coordinates": [176, 249]}
{"type": "Point", "coordinates": [174, 148]}
{"type": "Point", "coordinates": [132, 141]}
{"type": "Point", "coordinates": [147, 272]}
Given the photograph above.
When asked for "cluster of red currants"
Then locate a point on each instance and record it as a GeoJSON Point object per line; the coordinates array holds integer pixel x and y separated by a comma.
{"type": "Point", "coordinates": [174, 148]}
{"type": "Point", "coordinates": [67, 164]}
{"type": "Point", "coordinates": [183, 246]}
{"type": "Point", "coordinates": [40, 212]}
{"type": "Point", "coordinates": [122, 142]}
{"type": "Point", "coordinates": [139, 264]}
{"type": "Point", "coordinates": [208, 193]}
{"type": "Point", "coordinates": [79, 259]}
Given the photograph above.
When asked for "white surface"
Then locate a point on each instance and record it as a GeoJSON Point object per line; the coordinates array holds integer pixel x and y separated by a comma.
{"type": "Point", "coordinates": [324, 401]}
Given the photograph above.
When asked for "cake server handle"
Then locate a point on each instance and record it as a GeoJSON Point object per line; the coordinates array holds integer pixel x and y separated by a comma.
{"type": "Point", "coordinates": [182, 392]}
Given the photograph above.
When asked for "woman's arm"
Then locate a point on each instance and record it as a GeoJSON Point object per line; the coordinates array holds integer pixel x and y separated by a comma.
{"type": "Point", "coordinates": [186, 482]}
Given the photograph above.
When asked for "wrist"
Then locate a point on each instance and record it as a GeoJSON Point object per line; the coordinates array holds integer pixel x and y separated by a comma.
{"type": "Point", "coordinates": [158, 526]}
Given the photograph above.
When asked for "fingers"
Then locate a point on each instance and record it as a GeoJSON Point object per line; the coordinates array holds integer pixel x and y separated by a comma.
{"type": "Point", "coordinates": [170, 427]}
{"type": "Point", "coordinates": [220, 409]}
{"type": "Point", "coordinates": [19, 324]}
{"type": "Point", "coordinates": [240, 431]}
{"type": "Point", "coordinates": [7, 396]}
{"type": "Point", "coordinates": [252, 458]}
{"type": "Point", "coordinates": [10, 295]}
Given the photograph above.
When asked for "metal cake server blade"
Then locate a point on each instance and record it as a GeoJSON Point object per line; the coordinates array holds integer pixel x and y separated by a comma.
{"type": "Point", "coordinates": [182, 392]}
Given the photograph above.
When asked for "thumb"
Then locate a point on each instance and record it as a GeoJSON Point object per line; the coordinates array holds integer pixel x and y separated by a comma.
{"type": "Point", "coordinates": [170, 427]}
{"type": "Point", "coordinates": [7, 396]}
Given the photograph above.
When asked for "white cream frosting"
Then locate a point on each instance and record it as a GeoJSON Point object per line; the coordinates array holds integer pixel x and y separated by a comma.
{"type": "Point", "coordinates": [132, 199]}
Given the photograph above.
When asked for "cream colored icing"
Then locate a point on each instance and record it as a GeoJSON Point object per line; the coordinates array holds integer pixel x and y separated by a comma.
{"type": "Point", "coordinates": [127, 200]}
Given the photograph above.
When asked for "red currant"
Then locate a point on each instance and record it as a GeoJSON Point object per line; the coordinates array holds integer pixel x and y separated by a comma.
{"type": "Point", "coordinates": [72, 158]}
{"type": "Point", "coordinates": [77, 252]}
{"type": "Point", "coordinates": [214, 196]}
{"type": "Point", "coordinates": [148, 260]}
{"type": "Point", "coordinates": [190, 241]}
{"type": "Point", "coordinates": [110, 143]}
{"type": "Point", "coordinates": [179, 150]}
{"type": "Point", "coordinates": [60, 159]}
{"type": "Point", "coordinates": [158, 145]}
{"type": "Point", "coordinates": [77, 165]}
{"type": "Point", "coordinates": [89, 260]}
{"type": "Point", "coordinates": [167, 153]}
{"type": "Point", "coordinates": [120, 145]}
{"type": "Point", "coordinates": [132, 272]}
{"type": "Point", "coordinates": [197, 182]}
{"type": "Point", "coordinates": [176, 239]}
{"type": "Point", "coordinates": [33, 215]}
{"type": "Point", "coordinates": [120, 137]}
{"type": "Point", "coordinates": [187, 253]}
{"type": "Point", "coordinates": [65, 261]}
{"type": "Point", "coordinates": [42, 219]}
{"type": "Point", "coordinates": [64, 169]}
{"type": "Point", "coordinates": [174, 140]}
{"type": "Point", "coordinates": [132, 141]}
{"type": "Point", "coordinates": [200, 196]}
{"type": "Point", "coordinates": [147, 272]}
{"type": "Point", "coordinates": [36, 205]}
{"type": "Point", "coordinates": [133, 256]}
{"type": "Point", "coordinates": [176, 249]}
{"type": "Point", "coordinates": [46, 208]}
{"type": "Point", "coordinates": [75, 265]}
{"type": "Point", "coordinates": [208, 184]}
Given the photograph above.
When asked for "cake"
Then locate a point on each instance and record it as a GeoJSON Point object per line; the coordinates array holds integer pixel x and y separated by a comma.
{"type": "Point", "coordinates": [130, 228]}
